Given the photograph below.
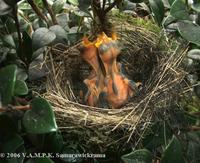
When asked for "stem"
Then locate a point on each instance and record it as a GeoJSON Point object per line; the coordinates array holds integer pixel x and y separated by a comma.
{"type": "Point", "coordinates": [97, 9]}
{"type": "Point", "coordinates": [17, 25]}
{"type": "Point", "coordinates": [104, 4]}
{"type": "Point", "coordinates": [112, 5]}
{"type": "Point", "coordinates": [196, 113]}
{"type": "Point", "coordinates": [38, 11]}
{"type": "Point", "coordinates": [23, 108]}
{"type": "Point", "coordinates": [29, 23]}
{"type": "Point", "coordinates": [193, 128]}
{"type": "Point", "coordinates": [99, 15]}
{"type": "Point", "coordinates": [165, 138]}
{"type": "Point", "coordinates": [49, 9]}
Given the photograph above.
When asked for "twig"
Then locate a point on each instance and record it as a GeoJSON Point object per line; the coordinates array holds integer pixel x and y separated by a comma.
{"type": "Point", "coordinates": [38, 11]}
{"type": "Point", "coordinates": [17, 25]}
{"type": "Point", "coordinates": [49, 9]}
{"type": "Point", "coordinates": [196, 113]}
{"type": "Point", "coordinates": [104, 4]}
{"type": "Point", "coordinates": [112, 5]}
{"type": "Point", "coordinates": [97, 9]}
{"type": "Point", "coordinates": [193, 128]}
{"type": "Point", "coordinates": [23, 108]}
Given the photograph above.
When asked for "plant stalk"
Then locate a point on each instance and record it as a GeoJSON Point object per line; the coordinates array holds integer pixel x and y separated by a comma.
{"type": "Point", "coordinates": [23, 108]}
{"type": "Point", "coordinates": [49, 9]}
{"type": "Point", "coordinates": [38, 11]}
{"type": "Point", "coordinates": [14, 12]}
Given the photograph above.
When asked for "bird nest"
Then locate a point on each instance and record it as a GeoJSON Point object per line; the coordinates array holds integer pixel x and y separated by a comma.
{"type": "Point", "coordinates": [148, 57]}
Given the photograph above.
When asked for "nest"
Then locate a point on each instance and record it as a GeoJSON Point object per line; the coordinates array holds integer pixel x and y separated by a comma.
{"type": "Point", "coordinates": [148, 58]}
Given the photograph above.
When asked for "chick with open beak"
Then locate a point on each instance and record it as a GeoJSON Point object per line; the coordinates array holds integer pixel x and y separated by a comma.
{"type": "Point", "coordinates": [119, 88]}
{"type": "Point", "coordinates": [95, 80]}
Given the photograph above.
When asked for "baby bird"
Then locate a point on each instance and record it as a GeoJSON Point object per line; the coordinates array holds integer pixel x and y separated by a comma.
{"type": "Point", "coordinates": [108, 52]}
{"type": "Point", "coordinates": [89, 54]}
{"type": "Point", "coordinates": [118, 87]}
{"type": "Point", "coordinates": [95, 81]}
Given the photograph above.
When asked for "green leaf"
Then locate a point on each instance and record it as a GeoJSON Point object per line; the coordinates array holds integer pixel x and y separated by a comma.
{"type": "Point", "coordinates": [9, 41]}
{"type": "Point", "coordinates": [190, 32]}
{"type": "Point", "coordinates": [7, 83]}
{"type": "Point", "coordinates": [27, 49]}
{"type": "Point", "coordinates": [42, 37]}
{"type": "Point", "coordinates": [138, 156]}
{"type": "Point", "coordinates": [73, 2]}
{"type": "Point", "coordinates": [136, 1]}
{"type": "Point", "coordinates": [12, 143]}
{"type": "Point", "coordinates": [7, 126]}
{"type": "Point", "coordinates": [171, 2]}
{"type": "Point", "coordinates": [21, 74]}
{"type": "Point", "coordinates": [56, 142]}
{"type": "Point", "coordinates": [61, 36]}
{"type": "Point", "coordinates": [168, 20]}
{"type": "Point", "coordinates": [196, 5]}
{"type": "Point", "coordinates": [74, 37]}
{"type": "Point", "coordinates": [193, 148]}
{"type": "Point", "coordinates": [4, 51]}
{"type": "Point", "coordinates": [74, 19]}
{"type": "Point", "coordinates": [38, 53]}
{"type": "Point", "coordinates": [157, 135]}
{"type": "Point", "coordinates": [58, 5]}
{"type": "Point", "coordinates": [5, 8]}
{"type": "Point", "coordinates": [40, 119]}
{"type": "Point", "coordinates": [84, 4]}
{"type": "Point", "coordinates": [11, 2]}
{"type": "Point", "coordinates": [194, 54]}
{"type": "Point", "coordinates": [20, 88]}
{"type": "Point", "coordinates": [158, 10]}
{"type": "Point", "coordinates": [179, 10]}
{"type": "Point", "coordinates": [39, 160]}
{"type": "Point", "coordinates": [19, 156]}
{"type": "Point", "coordinates": [173, 152]}
{"type": "Point", "coordinates": [11, 27]}
{"type": "Point", "coordinates": [63, 20]}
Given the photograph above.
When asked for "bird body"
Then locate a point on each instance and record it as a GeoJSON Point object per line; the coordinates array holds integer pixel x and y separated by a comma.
{"type": "Point", "coordinates": [112, 88]}
{"type": "Point", "coordinates": [94, 82]}
{"type": "Point", "coordinates": [117, 91]}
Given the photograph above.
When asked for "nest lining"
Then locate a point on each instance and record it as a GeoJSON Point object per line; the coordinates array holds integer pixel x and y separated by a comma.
{"type": "Point", "coordinates": [147, 57]}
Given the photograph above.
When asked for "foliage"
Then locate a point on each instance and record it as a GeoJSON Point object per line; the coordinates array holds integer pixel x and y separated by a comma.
{"type": "Point", "coordinates": [157, 8]}
{"type": "Point", "coordinates": [38, 119]}
{"type": "Point", "coordinates": [141, 155]}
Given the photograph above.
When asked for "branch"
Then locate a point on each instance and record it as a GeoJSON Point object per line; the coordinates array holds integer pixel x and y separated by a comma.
{"type": "Point", "coordinates": [104, 4]}
{"type": "Point", "coordinates": [14, 12]}
{"type": "Point", "coordinates": [38, 11]}
{"type": "Point", "coordinates": [97, 7]}
{"type": "Point", "coordinates": [196, 113]}
{"type": "Point", "coordinates": [193, 128]}
{"type": "Point", "coordinates": [112, 5]}
{"type": "Point", "coordinates": [49, 9]}
{"type": "Point", "coordinates": [23, 108]}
